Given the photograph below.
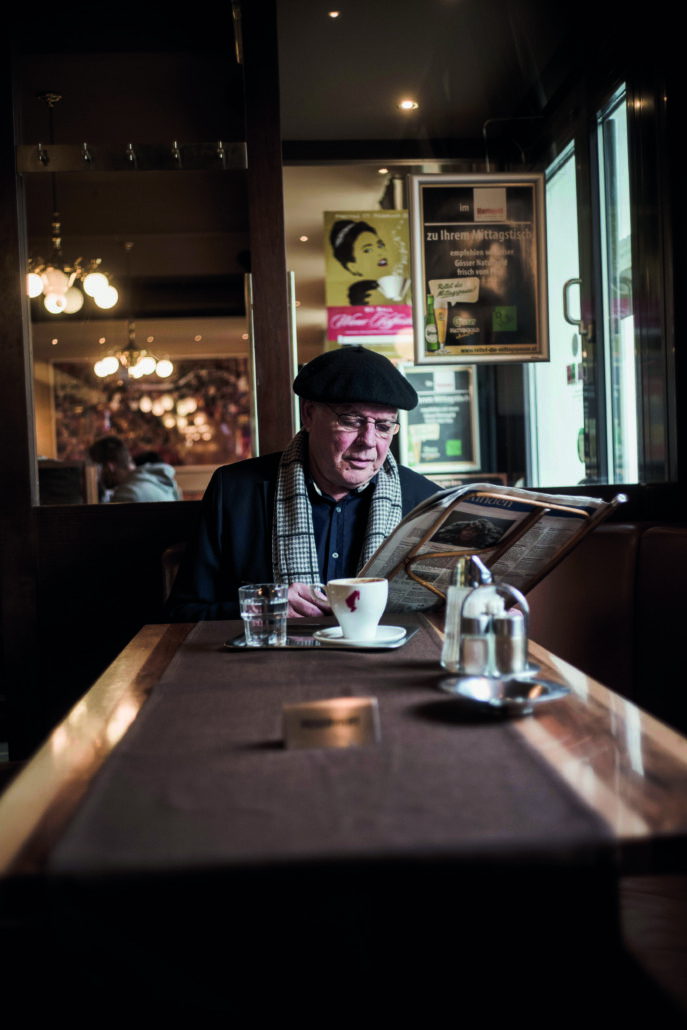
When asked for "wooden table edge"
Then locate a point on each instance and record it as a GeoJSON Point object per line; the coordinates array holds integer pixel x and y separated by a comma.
{"type": "Point", "coordinates": [37, 805]}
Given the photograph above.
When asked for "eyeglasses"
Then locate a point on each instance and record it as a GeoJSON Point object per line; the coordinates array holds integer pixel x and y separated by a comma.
{"type": "Point", "coordinates": [355, 423]}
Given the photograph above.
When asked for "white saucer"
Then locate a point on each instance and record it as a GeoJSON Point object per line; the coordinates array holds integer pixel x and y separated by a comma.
{"type": "Point", "coordinates": [385, 635]}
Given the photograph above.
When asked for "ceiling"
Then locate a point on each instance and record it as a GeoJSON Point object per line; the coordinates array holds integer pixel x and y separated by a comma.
{"type": "Point", "coordinates": [464, 61]}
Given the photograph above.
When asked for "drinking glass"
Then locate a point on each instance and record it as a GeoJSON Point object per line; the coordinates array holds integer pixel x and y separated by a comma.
{"type": "Point", "coordinates": [263, 610]}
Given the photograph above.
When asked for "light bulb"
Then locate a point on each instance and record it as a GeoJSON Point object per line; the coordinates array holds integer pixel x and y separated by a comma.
{"type": "Point", "coordinates": [34, 284]}
{"type": "Point", "coordinates": [146, 365]}
{"type": "Point", "coordinates": [55, 303]}
{"type": "Point", "coordinates": [145, 404]}
{"type": "Point", "coordinates": [164, 368]}
{"type": "Point", "coordinates": [106, 366]}
{"type": "Point", "coordinates": [106, 298]}
{"type": "Point", "coordinates": [94, 283]}
{"type": "Point", "coordinates": [74, 300]}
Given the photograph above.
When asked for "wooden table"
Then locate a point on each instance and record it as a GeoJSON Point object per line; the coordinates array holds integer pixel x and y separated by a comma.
{"type": "Point", "coordinates": [625, 765]}
{"type": "Point", "coordinates": [630, 770]}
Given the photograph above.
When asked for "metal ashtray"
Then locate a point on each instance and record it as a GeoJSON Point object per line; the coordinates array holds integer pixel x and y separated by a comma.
{"type": "Point", "coordinates": [510, 695]}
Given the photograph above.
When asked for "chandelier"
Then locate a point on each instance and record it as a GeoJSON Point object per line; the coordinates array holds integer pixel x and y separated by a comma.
{"type": "Point", "coordinates": [136, 361]}
{"type": "Point", "coordinates": [56, 280]}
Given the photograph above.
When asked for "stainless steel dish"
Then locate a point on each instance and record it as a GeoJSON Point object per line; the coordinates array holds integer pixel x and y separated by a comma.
{"type": "Point", "coordinates": [512, 695]}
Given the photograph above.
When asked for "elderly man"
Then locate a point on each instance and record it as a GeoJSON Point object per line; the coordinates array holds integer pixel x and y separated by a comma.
{"type": "Point", "coordinates": [319, 510]}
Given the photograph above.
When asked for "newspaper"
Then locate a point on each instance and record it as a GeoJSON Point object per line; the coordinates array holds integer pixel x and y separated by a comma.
{"type": "Point", "coordinates": [495, 522]}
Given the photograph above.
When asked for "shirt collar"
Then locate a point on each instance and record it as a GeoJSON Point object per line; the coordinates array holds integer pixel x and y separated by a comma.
{"type": "Point", "coordinates": [356, 490]}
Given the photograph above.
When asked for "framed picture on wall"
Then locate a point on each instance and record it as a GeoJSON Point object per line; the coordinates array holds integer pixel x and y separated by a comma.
{"type": "Point", "coordinates": [442, 433]}
{"type": "Point", "coordinates": [478, 247]}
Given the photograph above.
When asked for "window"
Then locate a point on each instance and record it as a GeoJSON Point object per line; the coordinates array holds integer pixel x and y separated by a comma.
{"type": "Point", "coordinates": [583, 423]}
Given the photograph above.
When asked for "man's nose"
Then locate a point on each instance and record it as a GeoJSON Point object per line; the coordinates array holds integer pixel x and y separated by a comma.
{"type": "Point", "coordinates": [368, 434]}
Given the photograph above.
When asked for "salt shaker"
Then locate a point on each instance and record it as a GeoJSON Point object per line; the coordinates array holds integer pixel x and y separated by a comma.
{"type": "Point", "coordinates": [468, 574]}
{"type": "Point", "coordinates": [475, 644]}
{"type": "Point", "coordinates": [510, 643]}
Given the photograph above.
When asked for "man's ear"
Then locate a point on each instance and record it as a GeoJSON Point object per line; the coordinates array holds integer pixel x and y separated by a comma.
{"type": "Point", "coordinates": [307, 409]}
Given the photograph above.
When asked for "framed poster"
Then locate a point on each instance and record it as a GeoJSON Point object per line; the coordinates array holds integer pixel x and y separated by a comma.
{"type": "Point", "coordinates": [442, 433]}
{"type": "Point", "coordinates": [367, 277]}
{"type": "Point", "coordinates": [478, 246]}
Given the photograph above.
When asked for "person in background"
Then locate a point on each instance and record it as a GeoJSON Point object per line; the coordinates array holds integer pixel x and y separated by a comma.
{"type": "Point", "coordinates": [147, 458]}
{"type": "Point", "coordinates": [316, 512]}
{"type": "Point", "coordinates": [124, 481]}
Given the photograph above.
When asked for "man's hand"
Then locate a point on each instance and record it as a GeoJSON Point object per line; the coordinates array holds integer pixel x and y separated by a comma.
{"type": "Point", "coordinates": [307, 599]}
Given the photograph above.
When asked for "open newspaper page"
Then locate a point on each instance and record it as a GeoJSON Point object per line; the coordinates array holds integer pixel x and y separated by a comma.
{"type": "Point", "coordinates": [456, 524]}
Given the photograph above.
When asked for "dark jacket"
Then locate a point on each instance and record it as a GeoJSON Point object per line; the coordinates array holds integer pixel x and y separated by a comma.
{"type": "Point", "coordinates": [234, 540]}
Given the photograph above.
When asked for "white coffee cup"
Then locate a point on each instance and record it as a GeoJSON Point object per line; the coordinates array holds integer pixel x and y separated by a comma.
{"type": "Point", "coordinates": [358, 605]}
{"type": "Point", "coordinates": [392, 286]}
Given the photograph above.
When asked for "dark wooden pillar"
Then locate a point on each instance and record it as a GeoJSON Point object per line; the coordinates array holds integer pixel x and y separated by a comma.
{"type": "Point", "coordinates": [273, 366]}
{"type": "Point", "coordinates": [18, 649]}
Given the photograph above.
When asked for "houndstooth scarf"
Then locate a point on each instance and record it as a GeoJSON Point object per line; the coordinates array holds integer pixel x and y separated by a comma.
{"type": "Point", "coordinates": [294, 555]}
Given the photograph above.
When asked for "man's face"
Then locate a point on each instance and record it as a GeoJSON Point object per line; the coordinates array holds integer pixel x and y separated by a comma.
{"type": "Point", "coordinates": [113, 475]}
{"type": "Point", "coordinates": [340, 459]}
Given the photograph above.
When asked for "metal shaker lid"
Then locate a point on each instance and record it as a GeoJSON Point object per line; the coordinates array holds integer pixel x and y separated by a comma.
{"type": "Point", "coordinates": [475, 625]}
{"type": "Point", "coordinates": [510, 624]}
{"type": "Point", "coordinates": [470, 571]}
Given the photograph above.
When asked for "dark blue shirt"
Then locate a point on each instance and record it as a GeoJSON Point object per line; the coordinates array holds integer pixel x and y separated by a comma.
{"type": "Point", "coordinates": [339, 528]}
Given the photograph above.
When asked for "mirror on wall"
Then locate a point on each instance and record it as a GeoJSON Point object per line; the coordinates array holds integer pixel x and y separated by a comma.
{"type": "Point", "coordinates": [134, 167]}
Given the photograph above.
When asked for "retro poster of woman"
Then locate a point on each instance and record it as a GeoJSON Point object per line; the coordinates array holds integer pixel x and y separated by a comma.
{"type": "Point", "coordinates": [479, 268]}
{"type": "Point", "coordinates": [367, 269]}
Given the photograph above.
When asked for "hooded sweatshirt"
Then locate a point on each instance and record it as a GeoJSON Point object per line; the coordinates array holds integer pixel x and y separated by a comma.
{"type": "Point", "coordinates": [151, 482]}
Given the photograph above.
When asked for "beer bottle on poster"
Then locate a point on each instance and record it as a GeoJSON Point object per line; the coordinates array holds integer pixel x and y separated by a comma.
{"type": "Point", "coordinates": [431, 334]}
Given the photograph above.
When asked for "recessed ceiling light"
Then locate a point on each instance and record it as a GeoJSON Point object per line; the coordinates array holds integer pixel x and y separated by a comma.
{"type": "Point", "coordinates": [408, 105]}
{"type": "Point", "coordinates": [382, 171]}
{"type": "Point", "coordinates": [334, 14]}
{"type": "Point", "coordinates": [244, 336]}
{"type": "Point", "coordinates": [54, 342]}
{"type": "Point", "coordinates": [102, 340]}
{"type": "Point", "coordinates": [198, 338]}
{"type": "Point", "coordinates": [303, 239]}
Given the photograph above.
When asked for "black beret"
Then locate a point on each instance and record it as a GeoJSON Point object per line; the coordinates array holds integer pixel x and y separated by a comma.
{"type": "Point", "coordinates": [352, 374]}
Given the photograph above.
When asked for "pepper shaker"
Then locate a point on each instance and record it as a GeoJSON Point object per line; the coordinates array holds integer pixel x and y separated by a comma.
{"type": "Point", "coordinates": [510, 643]}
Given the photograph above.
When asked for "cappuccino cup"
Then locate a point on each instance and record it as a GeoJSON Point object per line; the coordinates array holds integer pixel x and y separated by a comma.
{"type": "Point", "coordinates": [358, 605]}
